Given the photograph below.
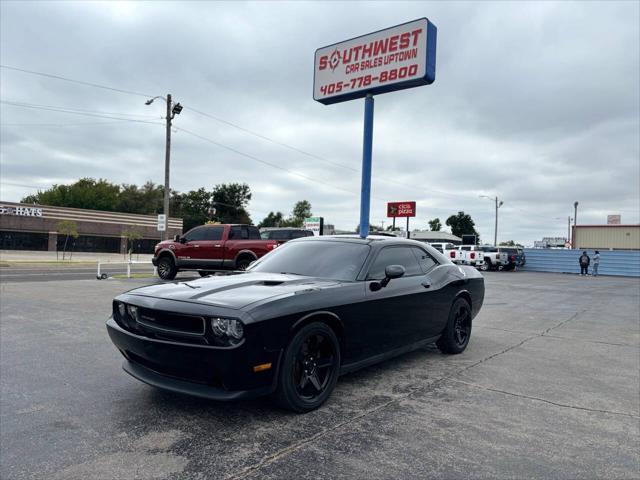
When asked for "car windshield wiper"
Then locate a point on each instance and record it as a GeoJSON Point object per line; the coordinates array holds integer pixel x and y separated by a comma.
{"type": "Point", "coordinates": [291, 273]}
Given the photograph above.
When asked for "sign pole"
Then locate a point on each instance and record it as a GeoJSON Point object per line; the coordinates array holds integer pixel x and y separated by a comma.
{"type": "Point", "coordinates": [407, 227]}
{"type": "Point", "coordinates": [367, 147]}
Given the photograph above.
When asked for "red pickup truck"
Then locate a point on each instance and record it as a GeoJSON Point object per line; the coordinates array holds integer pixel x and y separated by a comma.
{"type": "Point", "coordinates": [211, 247]}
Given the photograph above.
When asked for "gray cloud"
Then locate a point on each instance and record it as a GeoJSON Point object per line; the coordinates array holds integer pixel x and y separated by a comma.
{"type": "Point", "coordinates": [535, 102]}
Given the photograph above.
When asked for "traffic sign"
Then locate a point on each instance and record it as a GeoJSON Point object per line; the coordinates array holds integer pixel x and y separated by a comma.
{"type": "Point", "coordinates": [162, 223]}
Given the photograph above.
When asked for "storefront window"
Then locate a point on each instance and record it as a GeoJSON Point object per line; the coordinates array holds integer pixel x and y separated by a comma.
{"type": "Point", "coordinates": [23, 241]}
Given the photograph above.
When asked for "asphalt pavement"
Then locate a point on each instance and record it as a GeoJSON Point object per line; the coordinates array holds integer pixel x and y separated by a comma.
{"type": "Point", "coordinates": [548, 388]}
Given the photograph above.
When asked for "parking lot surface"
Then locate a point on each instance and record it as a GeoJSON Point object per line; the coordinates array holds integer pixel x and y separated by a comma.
{"type": "Point", "coordinates": [548, 388]}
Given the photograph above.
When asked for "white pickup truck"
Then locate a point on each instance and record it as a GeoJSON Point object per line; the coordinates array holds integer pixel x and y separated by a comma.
{"type": "Point", "coordinates": [492, 258]}
{"type": "Point", "coordinates": [449, 250]}
{"type": "Point", "coordinates": [472, 255]}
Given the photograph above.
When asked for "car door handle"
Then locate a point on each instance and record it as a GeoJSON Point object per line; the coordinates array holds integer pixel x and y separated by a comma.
{"type": "Point", "coordinates": [196, 246]}
{"type": "Point", "coordinates": [426, 284]}
{"type": "Point", "coordinates": [217, 245]}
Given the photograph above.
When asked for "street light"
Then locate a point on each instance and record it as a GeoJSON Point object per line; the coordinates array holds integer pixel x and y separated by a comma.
{"type": "Point", "coordinates": [172, 111]}
{"type": "Point", "coordinates": [499, 203]}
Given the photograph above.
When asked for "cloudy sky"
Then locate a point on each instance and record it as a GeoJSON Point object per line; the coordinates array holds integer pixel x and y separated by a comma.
{"type": "Point", "coordinates": [537, 103]}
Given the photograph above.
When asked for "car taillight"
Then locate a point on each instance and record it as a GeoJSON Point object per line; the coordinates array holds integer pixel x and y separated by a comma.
{"type": "Point", "coordinates": [473, 255]}
{"type": "Point", "coordinates": [452, 254]}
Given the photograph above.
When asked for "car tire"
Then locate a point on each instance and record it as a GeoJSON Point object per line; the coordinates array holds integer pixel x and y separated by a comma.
{"type": "Point", "coordinates": [204, 273]}
{"type": "Point", "coordinates": [309, 369]}
{"type": "Point", "coordinates": [167, 268]}
{"type": "Point", "coordinates": [485, 266]}
{"type": "Point", "coordinates": [457, 333]}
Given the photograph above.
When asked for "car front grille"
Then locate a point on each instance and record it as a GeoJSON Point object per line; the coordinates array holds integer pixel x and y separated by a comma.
{"type": "Point", "coordinates": [170, 323]}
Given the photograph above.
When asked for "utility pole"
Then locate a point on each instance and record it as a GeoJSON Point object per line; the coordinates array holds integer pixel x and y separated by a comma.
{"type": "Point", "coordinates": [172, 111]}
{"type": "Point", "coordinates": [575, 223]}
{"type": "Point", "coordinates": [167, 159]}
{"type": "Point", "coordinates": [499, 203]}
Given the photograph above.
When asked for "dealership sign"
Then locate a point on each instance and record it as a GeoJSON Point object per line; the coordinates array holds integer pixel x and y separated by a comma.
{"type": "Point", "coordinates": [401, 209]}
{"type": "Point", "coordinates": [395, 58]}
{"type": "Point", "coordinates": [21, 211]}
{"type": "Point", "coordinates": [315, 224]}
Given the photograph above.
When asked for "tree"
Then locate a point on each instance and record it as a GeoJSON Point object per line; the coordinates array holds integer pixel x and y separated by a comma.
{"type": "Point", "coordinates": [435, 225]}
{"type": "Point", "coordinates": [462, 224]}
{"type": "Point", "coordinates": [510, 243]}
{"type": "Point", "coordinates": [68, 228]}
{"type": "Point", "coordinates": [194, 207]}
{"type": "Point", "coordinates": [146, 200]}
{"type": "Point", "coordinates": [85, 193]}
{"type": "Point", "coordinates": [301, 210]}
{"type": "Point", "coordinates": [230, 201]}
{"type": "Point", "coordinates": [272, 220]}
{"type": "Point", "coordinates": [131, 235]}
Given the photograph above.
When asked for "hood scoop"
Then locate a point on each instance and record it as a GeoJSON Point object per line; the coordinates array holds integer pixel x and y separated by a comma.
{"type": "Point", "coordinates": [272, 283]}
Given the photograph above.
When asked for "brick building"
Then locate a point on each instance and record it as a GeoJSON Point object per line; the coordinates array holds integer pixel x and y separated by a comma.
{"type": "Point", "coordinates": [34, 227]}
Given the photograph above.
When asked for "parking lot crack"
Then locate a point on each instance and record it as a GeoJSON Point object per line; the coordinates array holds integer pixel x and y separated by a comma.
{"type": "Point", "coordinates": [538, 399]}
{"type": "Point", "coordinates": [269, 459]}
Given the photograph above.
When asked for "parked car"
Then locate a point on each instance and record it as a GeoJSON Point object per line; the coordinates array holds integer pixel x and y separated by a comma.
{"type": "Point", "coordinates": [493, 258]}
{"type": "Point", "coordinates": [211, 247]}
{"type": "Point", "coordinates": [515, 257]}
{"type": "Point", "coordinates": [472, 255]}
{"type": "Point", "coordinates": [449, 250]}
{"type": "Point", "coordinates": [307, 312]}
{"type": "Point", "coordinates": [282, 235]}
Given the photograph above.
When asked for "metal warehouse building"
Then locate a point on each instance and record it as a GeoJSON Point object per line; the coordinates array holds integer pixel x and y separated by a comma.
{"type": "Point", "coordinates": [606, 237]}
{"type": "Point", "coordinates": [34, 227]}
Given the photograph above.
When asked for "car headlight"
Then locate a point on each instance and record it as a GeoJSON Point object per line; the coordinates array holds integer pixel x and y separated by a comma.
{"type": "Point", "coordinates": [132, 310]}
{"type": "Point", "coordinates": [227, 327]}
{"type": "Point", "coordinates": [122, 309]}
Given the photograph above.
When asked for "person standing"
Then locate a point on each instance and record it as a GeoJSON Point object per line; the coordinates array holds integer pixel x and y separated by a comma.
{"type": "Point", "coordinates": [584, 261]}
{"type": "Point", "coordinates": [596, 263]}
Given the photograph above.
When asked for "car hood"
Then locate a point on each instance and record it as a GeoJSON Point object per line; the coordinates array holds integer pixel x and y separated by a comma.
{"type": "Point", "coordinates": [235, 291]}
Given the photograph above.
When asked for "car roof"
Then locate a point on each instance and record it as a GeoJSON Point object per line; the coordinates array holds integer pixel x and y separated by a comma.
{"type": "Point", "coordinates": [369, 240]}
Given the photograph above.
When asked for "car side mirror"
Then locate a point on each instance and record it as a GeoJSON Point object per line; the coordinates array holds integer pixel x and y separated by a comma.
{"type": "Point", "coordinates": [390, 272]}
{"type": "Point", "coordinates": [176, 237]}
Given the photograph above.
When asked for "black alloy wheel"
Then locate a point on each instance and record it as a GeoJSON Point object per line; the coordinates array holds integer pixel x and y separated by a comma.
{"type": "Point", "coordinates": [457, 333]}
{"type": "Point", "coordinates": [309, 368]}
{"type": "Point", "coordinates": [166, 268]}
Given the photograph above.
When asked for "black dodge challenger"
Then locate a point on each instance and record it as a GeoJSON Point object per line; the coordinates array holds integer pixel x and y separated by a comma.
{"type": "Point", "coordinates": [299, 317]}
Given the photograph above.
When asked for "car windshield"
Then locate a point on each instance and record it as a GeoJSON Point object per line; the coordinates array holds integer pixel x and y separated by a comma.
{"type": "Point", "coordinates": [323, 259]}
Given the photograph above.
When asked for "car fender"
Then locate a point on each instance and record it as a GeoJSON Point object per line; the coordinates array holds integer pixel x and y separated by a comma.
{"type": "Point", "coordinates": [170, 252]}
{"type": "Point", "coordinates": [245, 251]}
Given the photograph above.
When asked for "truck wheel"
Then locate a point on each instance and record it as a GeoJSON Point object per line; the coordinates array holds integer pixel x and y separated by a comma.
{"type": "Point", "coordinates": [484, 267]}
{"type": "Point", "coordinates": [243, 263]}
{"type": "Point", "coordinates": [167, 268]}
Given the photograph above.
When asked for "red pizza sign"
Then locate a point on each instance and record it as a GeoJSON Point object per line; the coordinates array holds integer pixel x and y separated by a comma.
{"type": "Point", "coordinates": [401, 209]}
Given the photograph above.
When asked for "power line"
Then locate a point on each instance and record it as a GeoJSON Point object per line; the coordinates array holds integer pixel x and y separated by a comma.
{"type": "Point", "coordinates": [86, 114]}
{"type": "Point", "coordinates": [318, 157]}
{"type": "Point", "coordinates": [250, 132]}
{"type": "Point", "coordinates": [81, 110]}
{"type": "Point", "coordinates": [80, 82]}
{"type": "Point", "coordinates": [246, 155]}
{"type": "Point", "coordinates": [115, 122]}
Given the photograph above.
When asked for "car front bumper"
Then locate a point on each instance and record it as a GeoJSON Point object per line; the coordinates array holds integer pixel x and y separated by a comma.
{"type": "Point", "coordinates": [154, 260]}
{"type": "Point", "coordinates": [217, 373]}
